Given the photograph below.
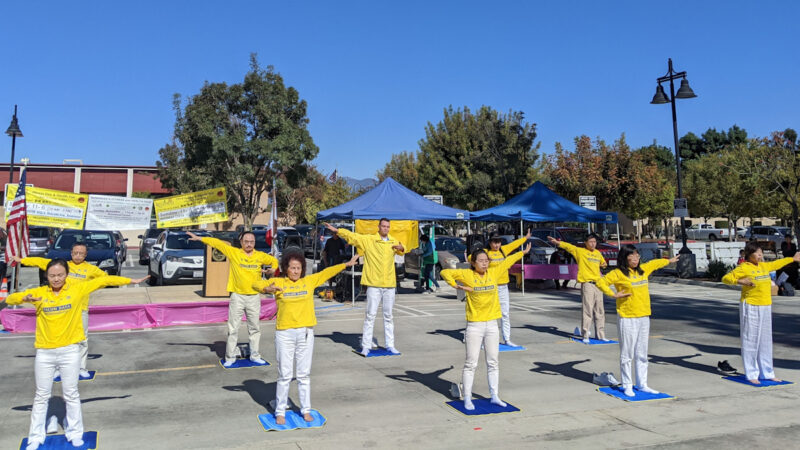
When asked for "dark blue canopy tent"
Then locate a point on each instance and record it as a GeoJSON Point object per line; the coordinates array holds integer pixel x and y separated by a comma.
{"type": "Point", "coordinates": [393, 201]}
{"type": "Point", "coordinates": [539, 204]}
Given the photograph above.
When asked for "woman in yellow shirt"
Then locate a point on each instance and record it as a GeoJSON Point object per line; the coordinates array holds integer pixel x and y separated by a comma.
{"type": "Point", "coordinates": [497, 253]}
{"type": "Point", "coordinates": [483, 310]}
{"type": "Point", "coordinates": [59, 330]}
{"type": "Point", "coordinates": [755, 313]}
{"type": "Point", "coordinates": [294, 327]}
{"type": "Point", "coordinates": [633, 308]}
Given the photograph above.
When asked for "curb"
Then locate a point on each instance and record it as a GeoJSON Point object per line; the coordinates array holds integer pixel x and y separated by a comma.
{"type": "Point", "coordinates": [710, 284]}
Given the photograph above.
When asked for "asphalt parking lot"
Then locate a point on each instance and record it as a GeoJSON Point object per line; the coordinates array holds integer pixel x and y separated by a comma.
{"type": "Point", "coordinates": [165, 389]}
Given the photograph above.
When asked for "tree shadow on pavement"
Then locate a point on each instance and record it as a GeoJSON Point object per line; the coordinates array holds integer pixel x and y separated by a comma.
{"type": "Point", "coordinates": [218, 347]}
{"type": "Point", "coordinates": [432, 380]}
{"type": "Point", "coordinates": [457, 334]}
{"type": "Point", "coordinates": [57, 406]}
{"type": "Point", "coordinates": [681, 361]}
{"type": "Point", "coordinates": [566, 369]}
{"type": "Point", "coordinates": [260, 392]}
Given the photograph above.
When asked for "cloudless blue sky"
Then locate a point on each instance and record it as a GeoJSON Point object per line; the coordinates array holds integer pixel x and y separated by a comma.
{"type": "Point", "coordinates": [94, 80]}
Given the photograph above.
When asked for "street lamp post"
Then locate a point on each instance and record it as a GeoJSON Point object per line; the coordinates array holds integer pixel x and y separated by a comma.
{"type": "Point", "coordinates": [686, 265]}
{"type": "Point", "coordinates": [13, 131]}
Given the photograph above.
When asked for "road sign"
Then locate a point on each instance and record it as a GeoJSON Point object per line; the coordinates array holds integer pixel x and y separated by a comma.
{"type": "Point", "coordinates": [681, 207]}
{"type": "Point", "coordinates": [435, 198]}
{"type": "Point", "coordinates": [588, 202]}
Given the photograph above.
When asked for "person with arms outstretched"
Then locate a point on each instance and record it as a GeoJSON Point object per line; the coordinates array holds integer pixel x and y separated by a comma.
{"type": "Point", "coordinates": [245, 269]}
{"type": "Point", "coordinates": [294, 327]}
{"type": "Point", "coordinates": [497, 253]}
{"type": "Point", "coordinates": [59, 332]}
{"type": "Point", "coordinates": [379, 276]}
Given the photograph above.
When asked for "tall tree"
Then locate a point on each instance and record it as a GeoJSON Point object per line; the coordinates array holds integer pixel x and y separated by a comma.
{"type": "Point", "coordinates": [477, 160]}
{"type": "Point", "coordinates": [404, 168]}
{"type": "Point", "coordinates": [712, 141]}
{"type": "Point", "coordinates": [241, 136]}
{"type": "Point", "coordinates": [315, 194]}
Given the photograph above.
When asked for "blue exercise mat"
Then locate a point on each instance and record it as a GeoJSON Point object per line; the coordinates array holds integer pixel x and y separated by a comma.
{"type": "Point", "coordinates": [510, 348]}
{"type": "Point", "coordinates": [593, 341]}
{"type": "Point", "coordinates": [60, 442]}
{"type": "Point", "coordinates": [294, 421]}
{"type": "Point", "coordinates": [242, 363]}
{"type": "Point", "coordinates": [639, 396]}
{"type": "Point", "coordinates": [380, 351]}
{"type": "Point", "coordinates": [482, 407]}
{"type": "Point", "coordinates": [80, 378]}
{"type": "Point", "coordinates": [764, 383]}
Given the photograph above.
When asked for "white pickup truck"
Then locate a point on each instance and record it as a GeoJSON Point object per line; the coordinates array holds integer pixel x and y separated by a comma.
{"type": "Point", "coordinates": [701, 231]}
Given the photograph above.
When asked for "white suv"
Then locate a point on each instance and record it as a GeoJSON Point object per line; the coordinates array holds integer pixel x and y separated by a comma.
{"type": "Point", "coordinates": [174, 256]}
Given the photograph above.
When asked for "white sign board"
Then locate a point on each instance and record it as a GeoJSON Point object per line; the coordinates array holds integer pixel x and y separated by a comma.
{"type": "Point", "coordinates": [435, 198]}
{"type": "Point", "coordinates": [681, 207]}
{"type": "Point", "coordinates": [588, 202]}
{"type": "Point", "coordinates": [108, 212]}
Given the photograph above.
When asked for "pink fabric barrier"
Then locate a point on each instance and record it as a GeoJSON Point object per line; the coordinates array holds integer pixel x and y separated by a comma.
{"type": "Point", "coordinates": [123, 317]}
{"type": "Point", "coordinates": [547, 271]}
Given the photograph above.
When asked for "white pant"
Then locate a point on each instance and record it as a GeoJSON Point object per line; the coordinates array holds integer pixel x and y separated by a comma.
{"type": "Point", "coordinates": [67, 361]}
{"type": "Point", "coordinates": [250, 306]}
{"type": "Point", "coordinates": [374, 297]}
{"type": "Point", "coordinates": [756, 332]}
{"type": "Point", "coordinates": [85, 343]}
{"type": "Point", "coordinates": [505, 322]}
{"type": "Point", "coordinates": [633, 335]}
{"type": "Point", "coordinates": [294, 347]}
{"type": "Point", "coordinates": [478, 333]}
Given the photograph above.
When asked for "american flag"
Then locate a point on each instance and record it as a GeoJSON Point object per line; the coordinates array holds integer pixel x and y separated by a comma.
{"type": "Point", "coordinates": [18, 243]}
{"type": "Point", "coordinates": [272, 227]}
{"type": "Point", "coordinates": [333, 177]}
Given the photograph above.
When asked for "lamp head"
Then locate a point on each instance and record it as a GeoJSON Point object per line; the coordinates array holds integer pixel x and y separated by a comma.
{"type": "Point", "coordinates": [660, 97]}
{"type": "Point", "coordinates": [685, 91]}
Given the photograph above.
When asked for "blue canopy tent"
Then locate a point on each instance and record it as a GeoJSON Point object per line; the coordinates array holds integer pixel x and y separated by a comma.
{"type": "Point", "coordinates": [393, 201]}
{"type": "Point", "coordinates": [539, 204]}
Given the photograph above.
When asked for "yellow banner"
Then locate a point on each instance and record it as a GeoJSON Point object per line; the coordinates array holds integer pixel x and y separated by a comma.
{"type": "Point", "coordinates": [195, 208]}
{"type": "Point", "coordinates": [51, 208]}
{"type": "Point", "coordinates": [405, 231]}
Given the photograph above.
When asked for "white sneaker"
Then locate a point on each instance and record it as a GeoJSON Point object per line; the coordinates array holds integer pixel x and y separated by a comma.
{"type": "Point", "coordinates": [52, 424]}
{"type": "Point", "coordinates": [257, 360]}
{"type": "Point", "coordinates": [364, 352]}
{"type": "Point", "coordinates": [228, 362]}
{"type": "Point", "coordinates": [629, 391]}
{"type": "Point", "coordinates": [585, 340]}
{"type": "Point", "coordinates": [85, 373]}
{"type": "Point", "coordinates": [33, 445]}
{"type": "Point", "coordinates": [612, 379]}
{"type": "Point", "coordinates": [77, 442]}
{"type": "Point", "coordinates": [511, 344]}
{"type": "Point", "coordinates": [648, 390]}
{"type": "Point", "coordinates": [393, 350]}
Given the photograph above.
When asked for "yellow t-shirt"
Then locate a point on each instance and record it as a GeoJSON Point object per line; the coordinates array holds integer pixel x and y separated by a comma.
{"type": "Point", "coordinates": [496, 257]}
{"type": "Point", "coordinates": [638, 303]}
{"type": "Point", "coordinates": [760, 293]}
{"type": "Point", "coordinates": [58, 315]}
{"type": "Point", "coordinates": [296, 301]}
{"type": "Point", "coordinates": [78, 272]}
{"type": "Point", "coordinates": [244, 270]}
{"type": "Point", "coordinates": [483, 303]}
{"type": "Point", "coordinates": [589, 262]}
{"type": "Point", "coordinates": [378, 257]}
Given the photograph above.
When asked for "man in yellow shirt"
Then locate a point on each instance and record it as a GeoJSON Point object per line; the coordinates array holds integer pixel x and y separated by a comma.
{"type": "Point", "coordinates": [379, 277]}
{"type": "Point", "coordinates": [79, 270]}
{"type": "Point", "coordinates": [755, 313]}
{"type": "Point", "coordinates": [590, 261]}
{"type": "Point", "coordinates": [245, 269]}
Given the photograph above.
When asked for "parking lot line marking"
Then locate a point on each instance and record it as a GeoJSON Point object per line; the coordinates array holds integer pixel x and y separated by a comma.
{"type": "Point", "coordinates": [167, 369]}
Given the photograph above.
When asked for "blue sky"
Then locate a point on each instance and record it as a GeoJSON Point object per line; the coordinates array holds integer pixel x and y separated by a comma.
{"type": "Point", "coordinates": [94, 80]}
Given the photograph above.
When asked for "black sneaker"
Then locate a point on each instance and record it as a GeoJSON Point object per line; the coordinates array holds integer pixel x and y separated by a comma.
{"type": "Point", "coordinates": [724, 367]}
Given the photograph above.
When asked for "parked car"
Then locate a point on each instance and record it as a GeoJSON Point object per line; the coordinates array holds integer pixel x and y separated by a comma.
{"type": "Point", "coordinates": [451, 252]}
{"type": "Point", "coordinates": [173, 256]}
{"type": "Point", "coordinates": [146, 243]}
{"type": "Point", "coordinates": [102, 247]}
{"type": "Point", "coordinates": [123, 247]}
{"type": "Point", "coordinates": [705, 231]}
{"type": "Point", "coordinates": [741, 232]}
{"type": "Point", "coordinates": [254, 227]}
{"type": "Point", "coordinates": [321, 235]}
{"type": "Point", "coordinates": [576, 236]}
{"type": "Point", "coordinates": [770, 235]}
{"type": "Point", "coordinates": [284, 241]}
{"type": "Point", "coordinates": [41, 239]}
